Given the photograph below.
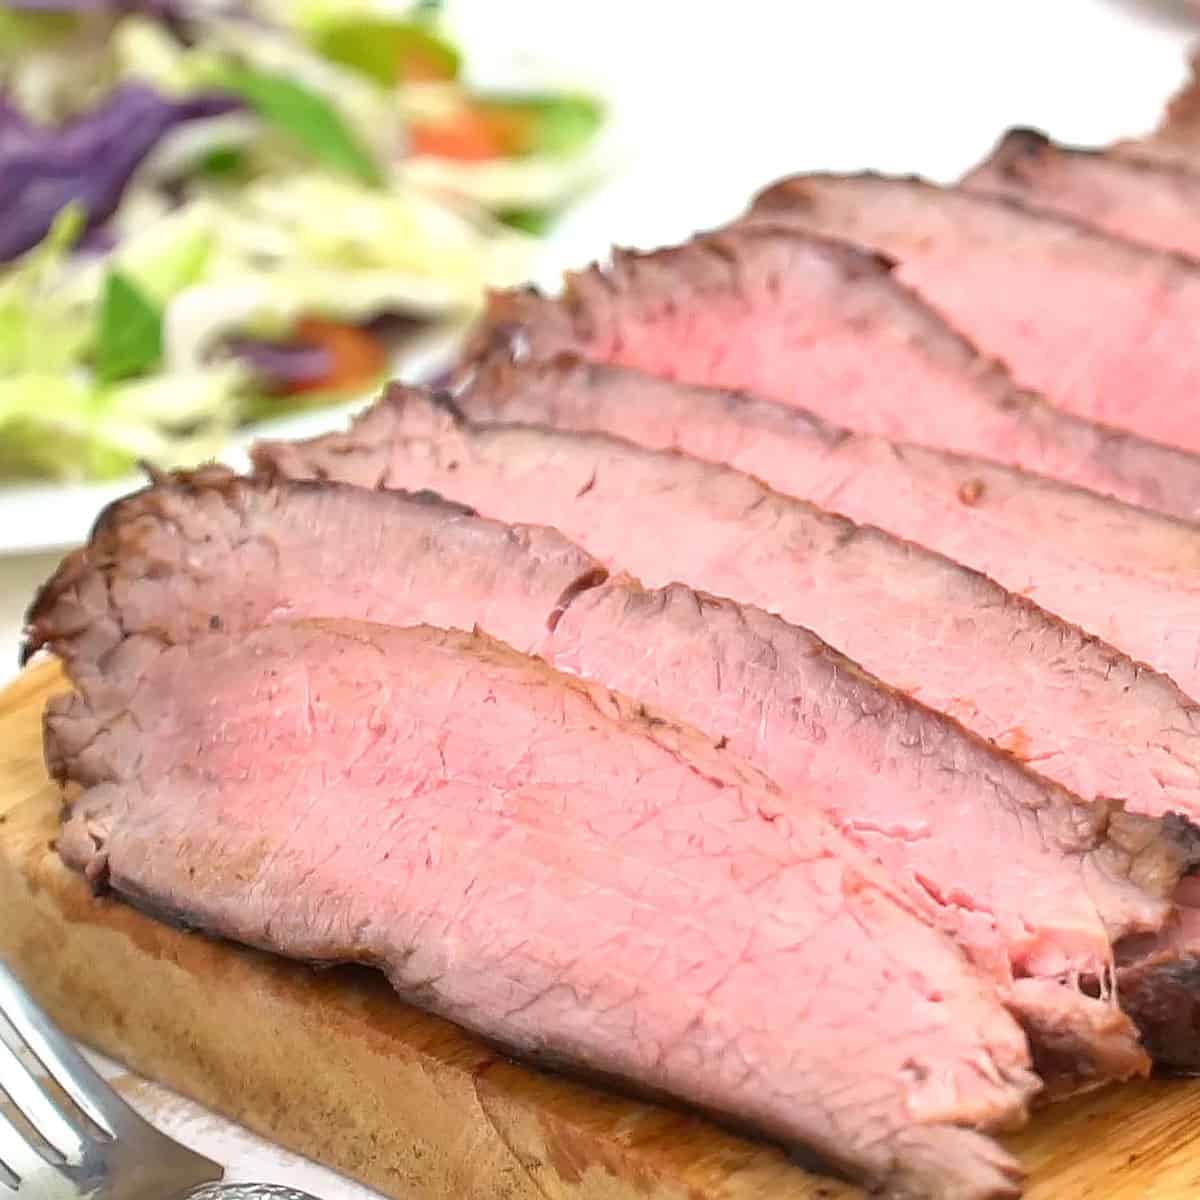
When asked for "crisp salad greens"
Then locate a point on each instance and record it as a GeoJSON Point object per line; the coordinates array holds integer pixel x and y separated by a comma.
{"type": "Point", "coordinates": [217, 210]}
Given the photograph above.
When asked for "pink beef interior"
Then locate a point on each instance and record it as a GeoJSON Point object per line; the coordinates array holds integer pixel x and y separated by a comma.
{"type": "Point", "coordinates": [724, 532]}
{"type": "Point", "coordinates": [533, 858]}
{"type": "Point", "coordinates": [1120, 572]}
{"type": "Point", "coordinates": [779, 315]}
{"type": "Point", "coordinates": [1065, 699]}
{"type": "Point", "coordinates": [1104, 327]}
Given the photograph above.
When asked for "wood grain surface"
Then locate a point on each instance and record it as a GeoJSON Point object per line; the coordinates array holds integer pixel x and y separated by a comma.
{"type": "Point", "coordinates": [331, 1065]}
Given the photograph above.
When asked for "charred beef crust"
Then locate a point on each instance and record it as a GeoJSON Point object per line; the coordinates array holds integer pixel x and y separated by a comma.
{"type": "Point", "coordinates": [1016, 147]}
{"type": "Point", "coordinates": [1163, 997]}
{"type": "Point", "coordinates": [76, 611]}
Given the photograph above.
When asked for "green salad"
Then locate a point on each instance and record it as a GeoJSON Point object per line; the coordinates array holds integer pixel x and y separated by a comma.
{"type": "Point", "coordinates": [215, 212]}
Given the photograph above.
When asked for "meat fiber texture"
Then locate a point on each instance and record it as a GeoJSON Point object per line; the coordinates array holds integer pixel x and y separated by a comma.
{"type": "Point", "coordinates": [1102, 326]}
{"type": "Point", "coordinates": [1129, 576]}
{"type": "Point", "coordinates": [543, 861]}
{"type": "Point", "coordinates": [1121, 571]}
{"type": "Point", "coordinates": [211, 549]}
{"type": "Point", "coordinates": [831, 330]}
{"type": "Point", "coordinates": [726, 533]}
{"type": "Point", "coordinates": [1155, 204]}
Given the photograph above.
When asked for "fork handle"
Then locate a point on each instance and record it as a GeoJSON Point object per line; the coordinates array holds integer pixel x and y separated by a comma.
{"type": "Point", "coordinates": [246, 1191]}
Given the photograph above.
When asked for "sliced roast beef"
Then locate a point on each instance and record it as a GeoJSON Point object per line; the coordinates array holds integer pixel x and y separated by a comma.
{"type": "Point", "coordinates": [168, 563]}
{"type": "Point", "coordinates": [828, 329]}
{"type": "Point", "coordinates": [1102, 326]}
{"type": "Point", "coordinates": [947, 630]}
{"type": "Point", "coordinates": [545, 862]}
{"type": "Point", "coordinates": [1125, 574]}
{"type": "Point", "coordinates": [165, 564]}
{"type": "Point", "coordinates": [1145, 202]}
{"type": "Point", "coordinates": [1086, 714]}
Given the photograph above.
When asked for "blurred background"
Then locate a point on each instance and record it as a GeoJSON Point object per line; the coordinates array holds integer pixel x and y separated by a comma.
{"type": "Point", "coordinates": [350, 209]}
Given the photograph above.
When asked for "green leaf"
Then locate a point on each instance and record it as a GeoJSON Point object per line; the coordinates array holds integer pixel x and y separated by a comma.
{"type": "Point", "coordinates": [58, 425]}
{"type": "Point", "coordinates": [557, 126]}
{"type": "Point", "coordinates": [129, 333]}
{"type": "Point", "coordinates": [221, 162]}
{"type": "Point", "coordinates": [535, 221]}
{"type": "Point", "coordinates": [303, 114]}
{"type": "Point", "coordinates": [38, 330]}
{"type": "Point", "coordinates": [169, 255]}
{"type": "Point", "coordinates": [379, 48]}
{"type": "Point", "coordinates": [49, 427]}
{"type": "Point", "coordinates": [21, 32]}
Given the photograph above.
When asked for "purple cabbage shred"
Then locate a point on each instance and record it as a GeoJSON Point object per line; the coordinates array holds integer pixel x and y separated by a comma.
{"type": "Point", "coordinates": [88, 161]}
{"type": "Point", "coordinates": [115, 7]}
{"type": "Point", "coordinates": [281, 364]}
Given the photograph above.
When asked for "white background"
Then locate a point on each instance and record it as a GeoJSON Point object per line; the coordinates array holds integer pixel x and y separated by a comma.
{"type": "Point", "coordinates": [712, 100]}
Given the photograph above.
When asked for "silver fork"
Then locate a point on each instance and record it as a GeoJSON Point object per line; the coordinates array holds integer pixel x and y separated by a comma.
{"type": "Point", "coordinates": [97, 1147]}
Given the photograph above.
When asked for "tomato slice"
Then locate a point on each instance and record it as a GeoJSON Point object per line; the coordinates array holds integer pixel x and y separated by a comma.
{"type": "Point", "coordinates": [358, 358]}
{"type": "Point", "coordinates": [467, 136]}
{"type": "Point", "coordinates": [474, 133]}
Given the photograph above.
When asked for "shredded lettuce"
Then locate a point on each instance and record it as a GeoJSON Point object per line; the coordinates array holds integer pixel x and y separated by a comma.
{"type": "Point", "coordinates": [305, 116]}
{"type": "Point", "coordinates": [386, 49]}
{"type": "Point", "coordinates": [60, 425]}
{"type": "Point", "coordinates": [273, 182]}
{"type": "Point", "coordinates": [145, 50]}
{"type": "Point", "coordinates": [23, 31]}
{"type": "Point", "coordinates": [368, 110]}
{"type": "Point", "coordinates": [38, 325]}
{"type": "Point", "coordinates": [48, 426]}
{"type": "Point", "coordinates": [315, 243]}
{"type": "Point", "coordinates": [503, 184]}
{"type": "Point", "coordinates": [172, 253]}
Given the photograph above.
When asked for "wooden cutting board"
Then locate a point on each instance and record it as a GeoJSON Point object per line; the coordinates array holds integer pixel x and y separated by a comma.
{"type": "Point", "coordinates": [331, 1065]}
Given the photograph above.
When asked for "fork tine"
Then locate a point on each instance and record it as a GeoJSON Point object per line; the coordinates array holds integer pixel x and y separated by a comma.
{"type": "Point", "coordinates": [17, 1154]}
{"type": "Point", "coordinates": [26, 1093]}
{"type": "Point", "coordinates": [65, 1065]}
